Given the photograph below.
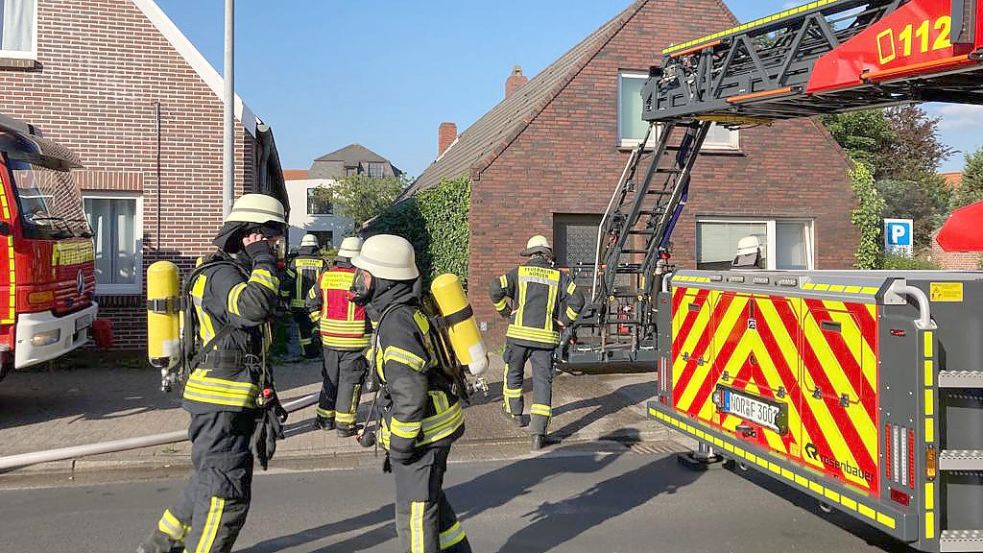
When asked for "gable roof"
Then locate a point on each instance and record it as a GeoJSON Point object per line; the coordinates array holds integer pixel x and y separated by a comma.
{"type": "Point", "coordinates": [481, 143]}
{"type": "Point", "coordinates": [352, 154]}
{"type": "Point", "coordinates": [193, 58]}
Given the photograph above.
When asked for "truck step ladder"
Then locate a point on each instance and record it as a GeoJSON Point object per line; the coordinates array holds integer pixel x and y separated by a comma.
{"type": "Point", "coordinates": [960, 379]}
{"type": "Point", "coordinates": [961, 541]}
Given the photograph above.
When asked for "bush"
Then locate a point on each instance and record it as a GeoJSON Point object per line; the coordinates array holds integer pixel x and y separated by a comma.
{"type": "Point", "coordinates": [902, 263]}
{"type": "Point", "coordinates": [436, 222]}
{"type": "Point", "coordinates": [867, 217]}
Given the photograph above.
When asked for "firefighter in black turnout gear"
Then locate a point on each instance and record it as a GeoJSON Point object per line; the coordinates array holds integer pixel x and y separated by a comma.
{"type": "Point", "coordinates": [421, 414]}
{"type": "Point", "coordinates": [303, 271]}
{"type": "Point", "coordinates": [544, 300]}
{"type": "Point", "coordinates": [229, 393]}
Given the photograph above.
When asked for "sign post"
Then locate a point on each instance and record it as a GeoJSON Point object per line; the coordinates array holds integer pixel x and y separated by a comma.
{"type": "Point", "coordinates": [899, 237]}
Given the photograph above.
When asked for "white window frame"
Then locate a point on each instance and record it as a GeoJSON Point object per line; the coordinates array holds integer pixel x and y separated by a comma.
{"type": "Point", "coordinates": [632, 142]}
{"type": "Point", "coordinates": [771, 225]}
{"type": "Point", "coordinates": [734, 145]}
{"type": "Point", "coordinates": [20, 54]}
{"type": "Point", "coordinates": [137, 287]}
{"type": "Point", "coordinates": [307, 204]}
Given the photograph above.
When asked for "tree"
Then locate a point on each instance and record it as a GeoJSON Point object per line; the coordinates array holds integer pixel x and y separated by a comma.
{"type": "Point", "coordinates": [863, 134]}
{"type": "Point", "coordinates": [971, 188]}
{"type": "Point", "coordinates": [361, 198]}
{"type": "Point", "coordinates": [916, 150]}
{"type": "Point", "coordinates": [924, 201]}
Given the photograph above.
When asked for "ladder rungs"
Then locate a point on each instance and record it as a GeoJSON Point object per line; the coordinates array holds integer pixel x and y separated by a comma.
{"type": "Point", "coordinates": [961, 540]}
{"type": "Point", "coordinates": [960, 379]}
{"type": "Point", "coordinates": [634, 251]}
{"type": "Point", "coordinates": [642, 232]}
{"type": "Point", "coordinates": [961, 459]}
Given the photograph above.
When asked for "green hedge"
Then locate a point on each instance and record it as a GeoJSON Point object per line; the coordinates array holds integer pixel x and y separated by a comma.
{"type": "Point", "coordinates": [867, 218]}
{"type": "Point", "coordinates": [436, 222]}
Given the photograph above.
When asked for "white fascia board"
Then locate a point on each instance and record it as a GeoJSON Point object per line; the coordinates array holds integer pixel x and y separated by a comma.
{"type": "Point", "coordinates": [193, 57]}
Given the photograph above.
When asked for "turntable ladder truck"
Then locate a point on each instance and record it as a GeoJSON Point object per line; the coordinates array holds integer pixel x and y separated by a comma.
{"type": "Point", "coordinates": [863, 389]}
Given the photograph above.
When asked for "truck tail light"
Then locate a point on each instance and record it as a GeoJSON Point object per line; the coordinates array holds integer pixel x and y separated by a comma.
{"type": "Point", "coordinates": [931, 463]}
{"type": "Point", "coordinates": [911, 459]}
{"type": "Point", "coordinates": [38, 298]}
{"type": "Point", "coordinates": [888, 453]}
{"type": "Point", "coordinates": [901, 497]}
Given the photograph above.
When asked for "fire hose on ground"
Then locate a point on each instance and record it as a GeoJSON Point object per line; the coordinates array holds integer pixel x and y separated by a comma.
{"type": "Point", "coordinates": [64, 453]}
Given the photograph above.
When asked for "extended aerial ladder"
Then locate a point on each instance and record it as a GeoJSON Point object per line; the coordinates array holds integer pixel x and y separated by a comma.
{"type": "Point", "coordinates": [829, 56]}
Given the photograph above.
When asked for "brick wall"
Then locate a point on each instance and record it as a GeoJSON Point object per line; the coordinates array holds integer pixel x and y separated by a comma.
{"type": "Point", "coordinates": [102, 70]}
{"type": "Point", "coordinates": [567, 161]}
{"type": "Point", "coordinates": [956, 261]}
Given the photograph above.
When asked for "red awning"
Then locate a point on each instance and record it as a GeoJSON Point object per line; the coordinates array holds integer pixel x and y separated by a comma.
{"type": "Point", "coordinates": [963, 232]}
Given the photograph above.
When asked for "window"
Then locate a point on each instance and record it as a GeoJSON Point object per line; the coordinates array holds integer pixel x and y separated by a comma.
{"type": "Point", "coordinates": [324, 237]}
{"type": "Point", "coordinates": [351, 171]}
{"type": "Point", "coordinates": [631, 127]}
{"type": "Point", "coordinates": [117, 222]}
{"type": "Point", "coordinates": [786, 244]}
{"type": "Point", "coordinates": [18, 29]}
{"type": "Point", "coordinates": [318, 202]}
{"type": "Point", "coordinates": [376, 170]}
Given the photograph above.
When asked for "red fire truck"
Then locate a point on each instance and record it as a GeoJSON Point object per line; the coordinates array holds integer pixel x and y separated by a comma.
{"type": "Point", "coordinates": [47, 269]}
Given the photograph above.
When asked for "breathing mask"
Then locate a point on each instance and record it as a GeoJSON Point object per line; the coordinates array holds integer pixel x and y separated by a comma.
{"type": "Point", "coordinates": [362, 291]}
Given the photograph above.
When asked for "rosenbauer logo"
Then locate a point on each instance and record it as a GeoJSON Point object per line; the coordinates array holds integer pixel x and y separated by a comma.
{"type": "Point", "coordinates": [813, 452]}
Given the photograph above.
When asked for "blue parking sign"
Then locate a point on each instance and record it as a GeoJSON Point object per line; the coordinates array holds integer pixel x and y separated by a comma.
{"type": "Point", "coordinates": [898, 236]}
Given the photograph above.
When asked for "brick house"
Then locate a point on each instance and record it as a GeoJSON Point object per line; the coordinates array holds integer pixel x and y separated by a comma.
{"type": "Point", "coordinates": [545, 160]}
{"type": "Point", "coordinates": [117, 82]}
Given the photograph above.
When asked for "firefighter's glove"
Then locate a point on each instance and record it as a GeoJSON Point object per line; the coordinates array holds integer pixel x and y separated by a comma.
{"type": "Point", "coordinates": [268, 431]}
{"type": "Point", "coordinates": [260, 252]}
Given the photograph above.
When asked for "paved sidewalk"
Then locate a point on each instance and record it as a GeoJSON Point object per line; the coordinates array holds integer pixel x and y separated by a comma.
{"type": "Point", "coordinates": [45, 410]}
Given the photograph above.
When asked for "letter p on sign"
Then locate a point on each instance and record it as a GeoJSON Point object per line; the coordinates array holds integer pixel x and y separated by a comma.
{"type": "Point", "coordinates": [898, 239]}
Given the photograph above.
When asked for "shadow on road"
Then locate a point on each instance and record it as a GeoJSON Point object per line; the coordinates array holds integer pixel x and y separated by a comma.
{"type": "Point", "coordinates": [551, 524]}
{"type": "Point", "coordinates": [604, 406]}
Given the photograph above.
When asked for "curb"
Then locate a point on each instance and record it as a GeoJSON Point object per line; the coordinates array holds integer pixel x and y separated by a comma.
{"type": "Point", "coordinates": [88, 472]}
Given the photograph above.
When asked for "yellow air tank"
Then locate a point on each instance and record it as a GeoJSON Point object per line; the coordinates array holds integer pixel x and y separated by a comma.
{"type": "Point", "coordinates": [462, 329]}
{"type": "Point", "coordinates": [163, 315]}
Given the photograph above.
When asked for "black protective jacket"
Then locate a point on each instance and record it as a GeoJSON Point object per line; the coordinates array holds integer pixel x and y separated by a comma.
{"type": "Point", "coordinates": [301, 275]}
{"type": "Point", "coordinates": [541, 297]}
{"type": "Point", "coordinates": [419, 407]}
{"type": "Point", "coordinates": [238, 293]}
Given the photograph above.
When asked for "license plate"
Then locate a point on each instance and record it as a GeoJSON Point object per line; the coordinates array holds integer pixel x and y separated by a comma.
{"type": "Point", "coordinates": [83, 322]}
{"type": "Point", "coordinates": [754, 410]}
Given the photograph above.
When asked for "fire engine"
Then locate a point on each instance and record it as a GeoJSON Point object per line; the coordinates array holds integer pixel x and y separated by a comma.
{"type": "Point", "coordinates": [863, 389]}
{"type": "Point", "coordinates": [47, 269]}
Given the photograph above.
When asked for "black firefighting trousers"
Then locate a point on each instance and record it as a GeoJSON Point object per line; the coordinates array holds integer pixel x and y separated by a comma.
{"type": "Point", "coordinates": [309, 337]}
{"type": "Point", "coordinates": [212, 508]}
{"type": "Point", "coordinates": [425, 520]}
{"type": "Point", "coordinates": [515, 358]}
{"type": "Point", "coordinates": [344, 373]}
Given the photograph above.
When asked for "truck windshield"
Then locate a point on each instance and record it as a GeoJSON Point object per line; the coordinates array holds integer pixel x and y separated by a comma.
{"type": "Point", "coordinates": [48, 202]}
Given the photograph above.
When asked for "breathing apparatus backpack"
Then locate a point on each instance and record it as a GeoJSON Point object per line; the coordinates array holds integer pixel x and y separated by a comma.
{"type": "Point", "coordinates": [173, 342]}
{"type": "Point", "coordinates": [454, 339]}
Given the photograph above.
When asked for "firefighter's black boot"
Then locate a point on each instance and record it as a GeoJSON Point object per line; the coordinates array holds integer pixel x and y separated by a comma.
{"type": "Point", "coordinates": [514, 420]}
{"type": "Point", "coordinates": [346, 432]}
{"type": "Point", "coordinates": [539, 441]}
{"type": "Point", "coordinates": [158, 542]}
{"type": "Point", "coordinates": [324, 424]}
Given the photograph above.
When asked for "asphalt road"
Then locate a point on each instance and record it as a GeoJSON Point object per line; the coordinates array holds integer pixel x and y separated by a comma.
{"type": "Point", "coordinates": [569, 501]}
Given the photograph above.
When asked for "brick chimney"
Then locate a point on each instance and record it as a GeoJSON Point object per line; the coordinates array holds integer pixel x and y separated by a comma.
{"type": "Point", "coordinates": [446, 135]}
{"type": "Point", "coordinates": [515, 81]}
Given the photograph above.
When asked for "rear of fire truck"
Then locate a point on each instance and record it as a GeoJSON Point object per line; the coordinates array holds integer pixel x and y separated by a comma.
{"type": "Point", "coordinates": [47, 271]}
{"type": "Point", "coordinates": [862, 389]}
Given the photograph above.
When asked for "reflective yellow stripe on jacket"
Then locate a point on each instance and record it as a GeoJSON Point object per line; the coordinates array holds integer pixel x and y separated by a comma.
{"type": "Point", "coordinates": [218, 391]}
{"type": "Point", "coordinates": [429, 430]}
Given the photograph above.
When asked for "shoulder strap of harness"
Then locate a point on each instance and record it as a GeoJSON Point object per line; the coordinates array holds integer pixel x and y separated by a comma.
{"type": "Point", "coordinates": [194, 356]}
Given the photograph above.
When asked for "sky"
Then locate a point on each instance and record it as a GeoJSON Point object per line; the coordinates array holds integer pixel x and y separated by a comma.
{"type": "Point", "coordinates": [386, 73]}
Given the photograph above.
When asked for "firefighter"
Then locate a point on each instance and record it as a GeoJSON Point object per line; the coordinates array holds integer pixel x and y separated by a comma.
{"type": "Point", "coordinates": [544, 300]}
{"type": "Point", "coordinates": [233, 296]}
{"type": "Point", "coordinates": [303, 272]}
{"type": "Point", "coordinates": [421, 415]}
{"type": "Point", "coordinates": [345, 334]}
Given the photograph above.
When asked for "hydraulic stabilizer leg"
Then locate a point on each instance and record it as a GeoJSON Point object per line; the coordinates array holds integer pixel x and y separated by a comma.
{"type": "Point", "coordinates": [701, 459]}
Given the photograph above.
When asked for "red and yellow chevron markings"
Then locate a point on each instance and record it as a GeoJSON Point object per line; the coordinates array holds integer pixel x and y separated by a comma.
{"type": "Point", "coordinates": [816, 358]}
